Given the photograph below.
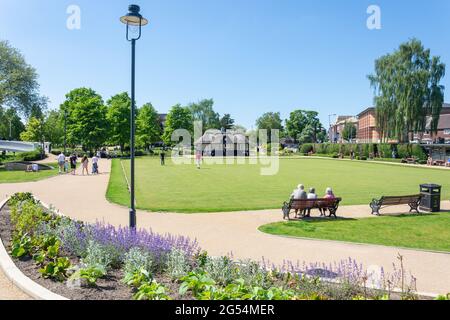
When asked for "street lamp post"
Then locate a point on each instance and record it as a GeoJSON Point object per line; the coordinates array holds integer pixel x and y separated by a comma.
{"type": "Point", "coordinates": [65, 131]}
{"type": "Point", "coordinates": [133, 20]}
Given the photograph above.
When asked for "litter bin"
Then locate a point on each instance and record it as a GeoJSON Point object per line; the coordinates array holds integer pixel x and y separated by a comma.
{"type": "Point", "coordinates": [431, 197]}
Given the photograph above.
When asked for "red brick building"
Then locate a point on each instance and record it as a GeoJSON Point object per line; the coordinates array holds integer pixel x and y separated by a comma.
{"type": "Point", "coordinates": [367, 127]}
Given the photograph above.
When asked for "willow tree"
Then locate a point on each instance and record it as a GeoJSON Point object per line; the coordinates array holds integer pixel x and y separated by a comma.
{"type": "Point", "coordinates": [407, 91]}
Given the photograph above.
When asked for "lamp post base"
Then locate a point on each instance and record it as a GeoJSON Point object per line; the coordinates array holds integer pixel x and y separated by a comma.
{"type": "Point", "coordinates": [132, 219]}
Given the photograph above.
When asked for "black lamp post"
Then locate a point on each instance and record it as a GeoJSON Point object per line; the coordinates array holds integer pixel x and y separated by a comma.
{"type": "Point", "coordinates": [133, 20]}
{"type": "Point", "coordinates": [65, 131]}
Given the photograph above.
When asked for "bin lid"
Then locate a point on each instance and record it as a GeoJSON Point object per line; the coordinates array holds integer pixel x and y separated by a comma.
{"type": "Point", "coordinates": [430, 185]}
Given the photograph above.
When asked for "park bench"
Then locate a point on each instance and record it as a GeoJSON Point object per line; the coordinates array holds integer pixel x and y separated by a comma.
{"type": "Point", "coordinates": [330, 204]}
{"type": "Point", "coordinates": [413, 202]}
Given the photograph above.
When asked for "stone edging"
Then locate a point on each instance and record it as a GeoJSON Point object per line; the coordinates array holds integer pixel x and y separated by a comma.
{"type": "Point", "coordinates": [21, 281]}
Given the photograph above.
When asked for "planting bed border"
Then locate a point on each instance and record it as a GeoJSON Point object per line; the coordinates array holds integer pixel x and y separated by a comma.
{"type": "Point", "coordinates": [16, 276]}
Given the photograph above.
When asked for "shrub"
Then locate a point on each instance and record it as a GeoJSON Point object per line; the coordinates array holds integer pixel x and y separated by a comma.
{"type": "Point", "coordinates": [90, 274]}
{"type": "Point", "coordinates": [98, 255]}
{"type": "Point", "coordinates": [56, 269]}
{"type": "Point", "coordinates": [306, 148]}
{"type": "Point", "coordinates": [151, 291]}
{"type": "Point", "coordinates": [220, 269]}
{"type": "Point", "coordinates": [137, 260]}
{"type": "Point", "coordinates": [177, 264]}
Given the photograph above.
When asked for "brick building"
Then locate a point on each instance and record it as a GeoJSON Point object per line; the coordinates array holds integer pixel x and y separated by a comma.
{"type": "Point", "coordinates": [367, 127]}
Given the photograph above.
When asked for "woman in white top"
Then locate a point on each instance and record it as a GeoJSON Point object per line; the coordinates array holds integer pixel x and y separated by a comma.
{"type": "Point", "coordinates": [311, 196]}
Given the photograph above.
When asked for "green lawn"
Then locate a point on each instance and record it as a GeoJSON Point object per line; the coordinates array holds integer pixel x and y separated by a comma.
{"type": "Point", "coordinates": [22, 176]}
{"type": "Point", "coordinates": [428, 231]}
{"type": "Point", "coordinates": [214, 188]}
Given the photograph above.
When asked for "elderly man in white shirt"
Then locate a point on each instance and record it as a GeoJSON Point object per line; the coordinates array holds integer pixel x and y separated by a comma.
{"type": "Point", "coordinates": [299, 194]}
{"type": "Point", "coordinates": [61, 162]}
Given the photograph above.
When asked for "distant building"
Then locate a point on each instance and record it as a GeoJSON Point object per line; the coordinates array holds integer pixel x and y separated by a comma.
{"type": "Point", "coordinates": [443, 129]}
{"type": "Point", "coordinates": [228, 144]}
{"type": "Point", "coordinates": [336, 130]}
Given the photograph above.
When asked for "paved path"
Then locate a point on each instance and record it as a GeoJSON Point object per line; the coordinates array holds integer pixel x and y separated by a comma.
{"type": "Point", "coordinates": [221, 233]}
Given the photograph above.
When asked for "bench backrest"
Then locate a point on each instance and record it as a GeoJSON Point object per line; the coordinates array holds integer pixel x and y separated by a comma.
{"type": "Point", "coordinates": [314, 203]}
{"type": "Point", "coordinates": [397, 200]}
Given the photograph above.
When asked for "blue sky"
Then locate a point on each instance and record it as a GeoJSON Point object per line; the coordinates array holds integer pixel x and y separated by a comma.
{"type": "Point", "coordinates": [251, 56]}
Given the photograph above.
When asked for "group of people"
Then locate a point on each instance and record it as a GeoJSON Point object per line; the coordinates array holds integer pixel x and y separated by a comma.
{"type": "Point", "coordinates": [70, 164]}
{"type": "Point", "coordinates": [301, 194]}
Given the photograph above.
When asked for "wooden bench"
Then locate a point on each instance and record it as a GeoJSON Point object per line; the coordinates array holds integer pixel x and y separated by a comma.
{"type": "Point", "coordinates": [330, 204]}
{"type": "Point", "coordinates": [413, 202]}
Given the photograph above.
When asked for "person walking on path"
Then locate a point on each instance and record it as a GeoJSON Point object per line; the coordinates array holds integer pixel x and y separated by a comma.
{"type": "Point", "coordinates": [73, 163]}
{"type": "Point", "coordinates": [85, 165]}
{"type": "Point", "coordinates": [95, 165]}
{"type": "Point", "coordinates": [61, 162]}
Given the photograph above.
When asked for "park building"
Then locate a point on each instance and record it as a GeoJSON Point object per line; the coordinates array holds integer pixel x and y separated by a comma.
{"type": "Point", "coordinates": [215, 143]}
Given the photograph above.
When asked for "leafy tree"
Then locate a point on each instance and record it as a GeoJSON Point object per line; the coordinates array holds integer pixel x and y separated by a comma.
{"type": "Point", "coordinates": [407, 90]}
{"type": "Point", "coordinates": [349, 131]}
{"type": "Point", "coordinates": [226, 122]}
{"type": "Point", "coordinates": [203, 111]}
{"type": "Point", "coordinates": [54, 127]}
{"type": "Point", "coordinates": [239, 128]}
{"type": "Point", "coordinates": [86, 118]}
{"type": "Point", "coordinates": [7, 118]}
{"type": "Point", "coordinates": [178, 118]}
{"type": "Point", "coordinates": [34, 131]}
{"type": "Point", "coordinates": [18, 80]}
{"type": "Point", "coordinates": [118, 117]}
{"type": "Point", "coordinates": [270, 121]}
{"type": "Point", "coordinates": [149, 129]}
{"type": "Point", "coordinates": [305, 126]}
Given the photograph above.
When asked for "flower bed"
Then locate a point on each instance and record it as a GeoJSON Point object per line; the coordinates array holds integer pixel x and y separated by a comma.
{"type": "Point", "coordinates": [98, 261]}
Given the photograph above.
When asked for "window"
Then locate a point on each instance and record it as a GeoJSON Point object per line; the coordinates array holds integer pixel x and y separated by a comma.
{"type": "Point", "coordinates": [447, 132]}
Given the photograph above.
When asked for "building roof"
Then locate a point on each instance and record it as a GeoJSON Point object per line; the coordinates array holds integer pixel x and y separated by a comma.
{"type": "Point", "coordinates": [367, 110]}
{"type": "Point", "coordinates": [217, 138]}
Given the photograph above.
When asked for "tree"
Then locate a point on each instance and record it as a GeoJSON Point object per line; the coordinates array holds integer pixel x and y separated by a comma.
{"type": "Point", "coordinates": [18, 80]}
{"type": "Point", "coordinates": [11, 125]}
{"type": "Point", "coordinates": [305, 126]}
{"type": "Point", "coordinates": [270, 121]}
{"type": "Point", "coordinates": [407, 90]}
{"type": "Point", "coordinates": [118, 117]}
{"type": "Point", "coordinates": [178, 118]}
{"type": "Point", "coordinates": [149, 129]}
{"type": "Point", "coordinates": [349, 131]}
{"type": "Point", "coordinates": [226, 122]}
{"type": "Point", "coordinates": [54, 127]}
{"type": "Point", "coordinates": [86, 118]}
{"type": "Point", "coordinates": [203, 111]}
{"type": "Point", "coordinates": [34, 131]}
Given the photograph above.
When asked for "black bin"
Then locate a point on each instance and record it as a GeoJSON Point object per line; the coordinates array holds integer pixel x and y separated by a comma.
{"type": "Point", "coordinates": [431, 197]}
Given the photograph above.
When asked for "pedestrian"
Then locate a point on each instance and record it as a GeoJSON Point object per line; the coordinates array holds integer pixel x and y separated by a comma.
{"type": "Point", "coordinates": [85, 164]}
{"type": "Point", "coordinates": [198, 158]}
{"type": "Point", "coordinates": [73, 163]}
{"type": "Point", "coordinates": [95, 160]}
{"type": "Point", "coordinates": [162, 157]}
{"type": "Point", "coordinates": [61, 162]}
{"type": "Point", "coordinates": [66, 166]}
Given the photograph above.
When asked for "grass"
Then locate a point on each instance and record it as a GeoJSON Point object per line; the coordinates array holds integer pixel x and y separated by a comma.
{"type": "Point", "coordinates": [216, 188]}
{"type": "Point", "coordinates": [427, 231]}
{"type": "Point", "coordinates": [22, 176]}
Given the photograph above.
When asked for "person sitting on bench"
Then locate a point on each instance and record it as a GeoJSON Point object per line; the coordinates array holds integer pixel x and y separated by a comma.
{"type": "Point", "coordinates": [311, 196]}
{"type": "Point", "coordinates": [299, 194]}
{"type": "Point", "coordinates": [328, 195]}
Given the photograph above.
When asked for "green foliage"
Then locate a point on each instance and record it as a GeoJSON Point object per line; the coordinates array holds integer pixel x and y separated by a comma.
{"type": "Point", "coordinates": [195, 282]}
{"type": "Point", "coordinates": [203, 111]}
{"type": "Point", "coordinates": [90, 274]}
{"type": "Point", "coordinates": [270, 121]}
{"type": "Point", "coordinates": [176, 264]}
{"type": "Point", "coordinates": [227, 122]}
{"type": "Point", "coordinates": [26, 216]}
{"type": "Point", "coordinates": [34, 130]}
{"type": "Point", "coordinates": [118, 117]}
{"type": "Point", "coordinates": [100, 255]}
{"type": "Point", "coordinates": [349, 132]}
{"type": "Point", "coordinates": [149, 129]}
{"type": "Point", "coordinates": [56, 269]}
{"type": "Point", "coordinates": [21, 246]}
{"type": "Point", "coordinates": [407, 90]}
{"type": "Point", "coordinates": [54, 127]}
{"type": "Point", "coordinates": [18, 80]}
{"type": "Point", "coordinates": [306, 148]}
{"type": "Point", "coordinates": [86, 118]}
{"type": "Point", "coordinates": [137, 278]}
{"type": "Point", "coordinates": [443, 298]}
{"type": "Point", "coordinates": [137, 260]}
{"type": "Point", "coordinates": [305, 126]}
{"type": "Point", "coordinates": [151, 291]}
{"type": "Point", "coordinates": [178, 118]}
{"type": "Point", "coordinates": [10, 117]}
